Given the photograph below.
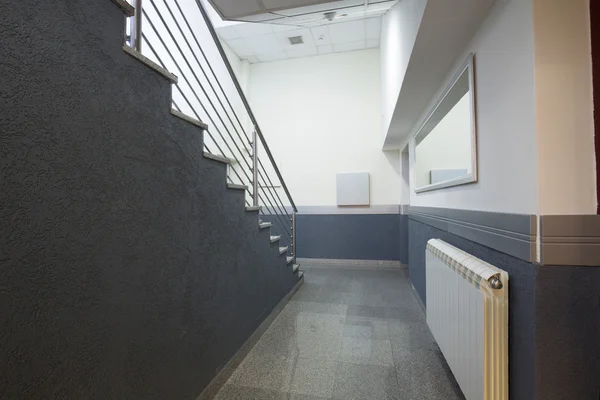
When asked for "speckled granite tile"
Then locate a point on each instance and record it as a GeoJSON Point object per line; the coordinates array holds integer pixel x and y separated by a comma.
{"type": "Point", "coordinates": [366, 328]}
{"type": "Point", "coordinates": [312, 377]}
{"type": "Point", "coordinates": [366, 352]}
{"type": "Point", "coordinates": [365, 382]}
{"type": "Point", "coordinates": [411, 336]}
{"type": "Point", "coordinates": [423, 374]}
{"type": "Point", "coordinates": [230, 392]}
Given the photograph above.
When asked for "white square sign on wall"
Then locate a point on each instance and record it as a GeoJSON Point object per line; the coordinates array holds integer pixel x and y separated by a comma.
{"type": "Point", "coordinates": [354, 189]}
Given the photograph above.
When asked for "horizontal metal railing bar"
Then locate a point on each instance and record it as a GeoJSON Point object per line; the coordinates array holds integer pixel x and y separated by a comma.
{"type": "Point", "coordinates": [282, 219]}
{"type": "Point", "coordinates": [273, 196]}
{"type": "Point", "coordinates": [270, 209]}
{"type": "Point", "coordinates": [236, 83]}
{"type": "Point", "coordinates": [153, 4]}
{"type": "Point", "coordinates": [197, 98]}
{"type": "Point", "coordinates": [271, 183]}
{"type": "Point", "coordinates": [204, 71]}
{"type": "Point", "coordinates": [191, 107]}
{"type": "Point", "coordinates": [273, 205]}
{"type": "Point", "coordinates": [215, 76]}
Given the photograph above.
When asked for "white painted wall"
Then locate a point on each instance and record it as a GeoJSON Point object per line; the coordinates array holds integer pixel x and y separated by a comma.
{"type": "Point", "coordinates": [564, 107]}
{"type": "Point", "coordinates": [322, 115]}
{"type": "Point", "coordinates": [398, 35]}
{"type": "Point", "coordinates": [504, 64]}
{"type": "Point", "coordinates": [448, 145]}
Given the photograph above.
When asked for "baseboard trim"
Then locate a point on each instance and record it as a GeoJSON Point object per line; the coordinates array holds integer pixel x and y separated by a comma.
{"type": "Point", "coordinates": [393, 209]}
{"type": "Point", "coordinates": [341, 263]}
{"type": "Point", "coordinates": [223, 376]}
{"type": "Point", "coordinates": [423, 308]}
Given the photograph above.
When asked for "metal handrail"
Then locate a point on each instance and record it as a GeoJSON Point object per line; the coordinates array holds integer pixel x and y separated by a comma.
{"type": "Point", "coordinates": [198, 90]}
{"type": "Point", "coordinates": [213, 33]}
{"type": "Point", "coordinates": [155, 53]}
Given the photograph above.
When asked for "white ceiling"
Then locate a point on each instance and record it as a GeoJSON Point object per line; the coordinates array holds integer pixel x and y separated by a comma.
{"type": "Point", "coordinates": [232, 9]}
{"type": "Point", "coordinates": [296, 12]}
{"type": "Point", "coordinates": [268, 42]}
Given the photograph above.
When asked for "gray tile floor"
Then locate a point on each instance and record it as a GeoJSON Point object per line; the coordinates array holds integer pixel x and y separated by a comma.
{"type": "Point", "coordinates": [347, 334]}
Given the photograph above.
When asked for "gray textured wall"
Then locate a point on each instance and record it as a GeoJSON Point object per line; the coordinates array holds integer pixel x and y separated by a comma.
{"type": "Point", "coordinates": [403, 235]}
{"type": "Point", "coordinates": [567, 325]}
{"type": "Point", "coordinates": [554, 319]}
{"type": "Point", "coordinates": [346, 236]}
{"type": "Point", "coordinates": [127, 269]}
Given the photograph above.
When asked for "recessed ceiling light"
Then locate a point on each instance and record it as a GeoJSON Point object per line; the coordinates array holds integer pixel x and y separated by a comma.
{"type": "Point", "coordinates": [329, 16]}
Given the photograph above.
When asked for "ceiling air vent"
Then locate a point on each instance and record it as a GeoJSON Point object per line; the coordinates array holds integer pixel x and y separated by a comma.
{"type": "Point", "coordinates": [296, 40]}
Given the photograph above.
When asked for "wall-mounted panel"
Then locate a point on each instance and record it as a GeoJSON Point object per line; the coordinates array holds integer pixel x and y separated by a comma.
{"type": "Point", "coordinates": [353, 189]}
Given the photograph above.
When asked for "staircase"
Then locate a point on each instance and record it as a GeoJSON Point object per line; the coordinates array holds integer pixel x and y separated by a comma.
{"type": "Point", "coordinates": [131, 265]}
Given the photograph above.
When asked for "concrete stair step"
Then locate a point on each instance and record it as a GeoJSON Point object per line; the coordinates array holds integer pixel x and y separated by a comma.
{"type": "Point", "coordinates": [265, 225]}
{"type": "Point", "coordinates": [236, 187]}
{"type": "Point", "coordinates": [189, 119]}
{"type": "Point", "coordinates": [217, 157]}
{"type": "Point", "coordinates": [149, 63]}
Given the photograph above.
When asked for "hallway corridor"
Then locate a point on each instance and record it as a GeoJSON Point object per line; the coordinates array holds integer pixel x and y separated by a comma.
{"type": "Point", "coordinates": [346, 334]}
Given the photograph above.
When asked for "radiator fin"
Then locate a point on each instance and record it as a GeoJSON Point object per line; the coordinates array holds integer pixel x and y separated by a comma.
{"type": "Point", "coordinates": [469, 319]}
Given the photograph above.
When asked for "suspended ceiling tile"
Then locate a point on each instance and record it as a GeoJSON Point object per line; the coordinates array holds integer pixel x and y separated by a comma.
{"type": "Point", "coordinates": [228, 33]}
{"type": "Point", "coordinates": [263, 44]}
{"type": "Point", "coordinates": [240, 47]}
{"type": "Point", "coordinates": [351, 31]}
{"type": "Point", "coordinates": [283, 28]}
{"type": "Point", "coordinates": [306, 34]}
{"type": "Point", "coordinates": [321, 35]}
{"type": "Point", "coordinates": [249, 30]}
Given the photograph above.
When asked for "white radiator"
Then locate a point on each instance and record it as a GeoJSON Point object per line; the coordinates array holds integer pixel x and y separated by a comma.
{"type": "Point", "coordinates": [467, 311]}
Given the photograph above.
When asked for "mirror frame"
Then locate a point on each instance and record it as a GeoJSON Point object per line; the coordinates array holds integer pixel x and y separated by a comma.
{"type": "Point", "coordinates": [469, 66]}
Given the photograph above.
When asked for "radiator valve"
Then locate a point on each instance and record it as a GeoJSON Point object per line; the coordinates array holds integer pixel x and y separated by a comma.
{"type": "Point", "coordinates": [495, 282]}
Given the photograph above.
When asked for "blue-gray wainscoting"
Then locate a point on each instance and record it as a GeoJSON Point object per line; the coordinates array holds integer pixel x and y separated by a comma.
{"type": "Point", "coordinates": [352, 236]}
{"type": "Point", "coordinates": [554, 319]}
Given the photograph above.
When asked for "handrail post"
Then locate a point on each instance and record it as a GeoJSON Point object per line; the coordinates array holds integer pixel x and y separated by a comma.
{"type": "Point", "coordinates": [236, 83]}
{"type": "Point", "coordinates": [294, 254]}
{"type": "Point", "coordinates": [136, 27]}
{"type": "Point", "coordinates": [254, 169]}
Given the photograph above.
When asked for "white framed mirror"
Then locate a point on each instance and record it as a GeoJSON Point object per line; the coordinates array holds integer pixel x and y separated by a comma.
{"type": "Point", "coordinates": [445, 146]}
